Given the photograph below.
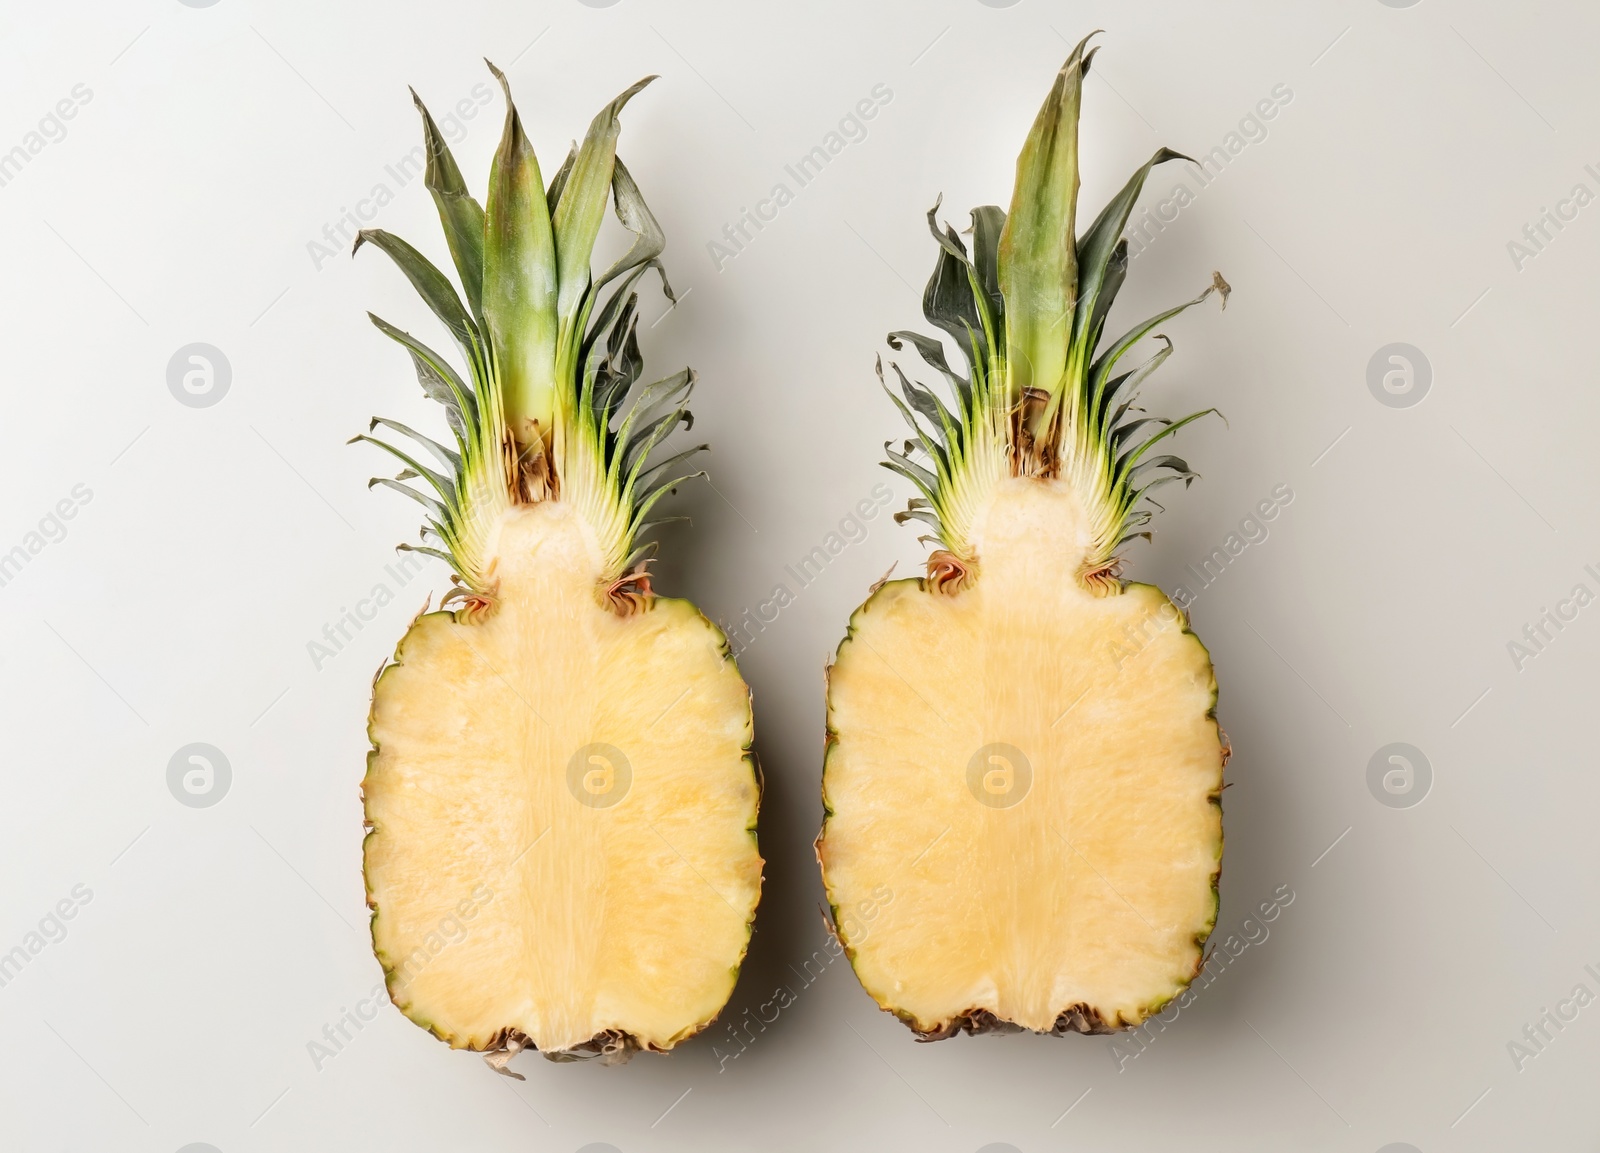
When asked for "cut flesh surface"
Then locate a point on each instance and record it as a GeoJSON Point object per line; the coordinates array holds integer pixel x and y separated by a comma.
{"type": "Point", "coordinates": [562, 808]}
{"type": "Point", "coordinates": [1032, 770]}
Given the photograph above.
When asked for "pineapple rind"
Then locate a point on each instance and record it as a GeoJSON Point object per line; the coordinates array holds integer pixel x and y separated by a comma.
{"type": "Point", "coordinates": [1083, 1017]}
{"type": "Point", "coordinates": [610, 1045]}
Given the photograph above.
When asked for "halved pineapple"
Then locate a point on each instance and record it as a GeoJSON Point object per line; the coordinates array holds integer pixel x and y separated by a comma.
{"type": "Point", "coordinates": [1022, 747]}
{"type": "Point", "coordinates": [561, 797]}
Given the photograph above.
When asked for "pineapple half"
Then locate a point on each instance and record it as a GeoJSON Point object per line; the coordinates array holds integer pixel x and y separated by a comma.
{"type": "Point", "coordinates": [561, 795]}
{"type": "Point", "coordinates": [1022, 747]}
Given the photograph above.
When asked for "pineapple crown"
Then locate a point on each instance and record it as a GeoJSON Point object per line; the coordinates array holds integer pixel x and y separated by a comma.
{"type": "Point", "coordinates": [543, 412]}
{"type": "Point", "coordinates": [1044, 395]}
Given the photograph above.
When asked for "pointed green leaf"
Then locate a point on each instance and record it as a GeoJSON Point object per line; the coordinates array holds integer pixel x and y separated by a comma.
{"type": "Point", "coordinates": [519, 280]}
{"type": "Point", "coordinates": [1098, 275]}
{"type": "Point", "coordinates": [461, 215]}
{"type": "Point", "coordinates": [649, 241]}
{"type": "Point", "coordinates": [988, 222]}
{"type": "Point", "coordinates": [558, 183]}
{"type": "Point", "coordinates": [434, 287]}
{"type": "Point", "coordinates": [1037, 258]}
{"type": "Point", "coordinates": [582, 206]}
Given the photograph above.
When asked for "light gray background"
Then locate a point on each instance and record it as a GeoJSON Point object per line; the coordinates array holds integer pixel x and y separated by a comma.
{"type": "Point", "coordinates": [217, 542]}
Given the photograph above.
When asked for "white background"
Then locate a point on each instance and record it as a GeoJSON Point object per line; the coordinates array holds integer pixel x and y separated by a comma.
{"type": "Point", "coordinates": [217, 542]}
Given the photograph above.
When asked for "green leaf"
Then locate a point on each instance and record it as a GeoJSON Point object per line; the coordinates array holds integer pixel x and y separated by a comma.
{"type": "Point", "coordinates": [988, 222]}
{"type": "Point", "coordinates": [559, 182]}
{"type": "Point", "coordinates": [1037, 258]}
{"type": "Point", "coordinates": [1098, 274]}
{"type": "Point", "coordinates": [519, 285]}
{"type": "Point", "coordinates": [649, 241]}
{"type": "Point", "coordinates": [439, 381]}
{"type": "Point", "coordinates": [948, 301]}
{"type": "Point", "coordinates": [582, 205]}
{"type": "Point", "coordinates": [932, 353]}
{"type": "Point", "coordinates": [433, 286]}
{"type": "Point", "coordinates": [461, 215]}
{"type": "Point", "coordinates": [451, 460]}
